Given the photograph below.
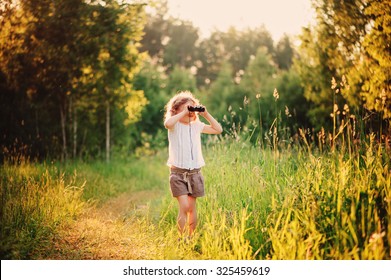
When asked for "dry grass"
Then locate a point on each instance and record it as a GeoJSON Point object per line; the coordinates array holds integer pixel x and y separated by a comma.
{"type": "Point", "coordinates": [110, 231]}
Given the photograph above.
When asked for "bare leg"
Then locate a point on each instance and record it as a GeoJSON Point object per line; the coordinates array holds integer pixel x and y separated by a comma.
{"type": "Point", "coordinates": [182, 214]}
{"type": "Point", "coordinates": [187, 213]}
{"type": "Point", "coordinates": [192, 214]}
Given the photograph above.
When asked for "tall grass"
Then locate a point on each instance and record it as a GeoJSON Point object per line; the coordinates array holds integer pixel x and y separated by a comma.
{"type": "Point", "coordinates": [303, 198]}
{"type": "Point", "coordinates": [324, 196]}
{"type": "Point", "coordinates": [336, 207]}
{"type": "Point", "coordinates": [300, 204]}
{"type": "Point", "coordinates": [38, 200]}
{"type": "Point", "coordinates": [33, 203]}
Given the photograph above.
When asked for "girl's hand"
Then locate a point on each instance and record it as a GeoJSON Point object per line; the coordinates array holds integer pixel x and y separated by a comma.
{"type": "Point", "coordinates": [213, 127]}
{"type": "Point", "coordinates": [205, 113]}
{"type": "Point", "coordinates": [186, 106]}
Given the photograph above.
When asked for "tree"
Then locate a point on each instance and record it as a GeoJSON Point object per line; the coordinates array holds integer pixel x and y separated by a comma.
{"type": "Point", "coordinates": [61, 55]}
{"type": "Point", "coordinates": [292, 101]}
{"type": "Point", "coordinates": [211, 54]}
{"type": "Point", "coordinates": [181, 47]}
{"type": "Point", "coordinates": [152, 80]}
{"type": "Point", "coordinates": [180, 79]}
{"type": "Point", "coordinates": [156, 30]}
{"type": "Point", "coordinates": [376, 90]}
{"type": "Point", "coordinates": [221, 96]}
{"type": "Point", "coordinates": [284, 53]}
{"type": "Point", "coordinates": [48, 54]}
{"type": "Point", "coordinates": [315, 75]}
{"type": "Point", "coordinates": [349, 43]}
{"type": "Point", "coordinates": [241, 46]}
{"type": "Point", "coordinates": [121, 28]}
{"type": "Point", "coordinates": [259, 79]}
{"type": "Point", "coordinates": [236, 47]}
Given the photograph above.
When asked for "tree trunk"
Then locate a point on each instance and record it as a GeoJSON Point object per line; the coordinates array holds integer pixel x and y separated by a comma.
{"type": "Point", "coordinates": [74, 132]}
{"type": "Point", "coordinates": [64, 154]}
{"type": "Point", "coordinates": [73, 124]}
{"type": "Point", "coordinates": [107, 131]}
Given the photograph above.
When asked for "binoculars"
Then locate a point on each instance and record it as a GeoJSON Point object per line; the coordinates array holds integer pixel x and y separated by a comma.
{"type": "Point", "coordinates": [197, 108]}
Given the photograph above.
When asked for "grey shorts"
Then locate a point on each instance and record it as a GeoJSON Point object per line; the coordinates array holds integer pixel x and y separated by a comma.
{"type": "Point", "coordinates": [186, 182]}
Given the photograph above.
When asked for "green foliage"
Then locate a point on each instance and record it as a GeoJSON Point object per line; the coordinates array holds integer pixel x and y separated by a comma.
{"type": "Point", "coordinates": [235, 47]}
{"type": "Point", "coordinates": [349, 40]}
{"type": "Point", "coordinates": [376, 89]}
{"type": "Point", "coordinates": [156, 29]}
{"type": "Point", "coordinates": [277, 187]}
{"type": "Point", "coordinates": [259, 75]}
{"type": "Point", "coordinates": [65, 63]}
{"type": "Point", "coordinates": [152, 80]}
{"type": "Point", "coordinates": [72, 83]}
{"type": "Point", "coordinates": [284, 53]}
{"type": "Point", "coordinates": [292, 100]}
{"type": "Point", "coordinates": [181, 46]}
{"type": "Point", "coordinates": [258, 84]}
{"type": "Point", "coordinates": [221, 95]}
{"type": "Point", "coordinates": [180, 79]}
{"type": "Point", "coordinates": [315, 74]}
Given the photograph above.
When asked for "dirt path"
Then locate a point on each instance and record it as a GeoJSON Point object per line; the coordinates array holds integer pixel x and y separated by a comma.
{"type": "Point", "coordinates": [116, 230]}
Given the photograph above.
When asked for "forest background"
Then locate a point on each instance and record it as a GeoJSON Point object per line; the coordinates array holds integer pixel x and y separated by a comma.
{"type": "Point", "coordinates": [305, 152]}
{"type": "Point", "coordinates": [89, 79]}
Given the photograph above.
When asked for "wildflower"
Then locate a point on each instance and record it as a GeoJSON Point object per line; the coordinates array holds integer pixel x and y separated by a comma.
{"type": "Point", "coordinates": [346, 109]}
{"type": "Point", "coordinates": [333, 83]}
{"type": "Point", "coordinates": [330, 137]}
{"type": "Point", "coordinates": [275, 94]}
{"type": "Point", "coordinates": [287, 113]}
{"type": "Point", "coordinates": [376, 239]}
{"type": "Point", "coordinates": [336, 111]}
{"type": "Point", "coordinates": [246, 101]}
{"type": "Point", "coordinates": [258, 96]}
{"type": "Point", "coordinates": [335, 108]}
{"type": "Point", "coordinates": [322, 135]}
{"type": "Point", "coordinates": [376, 236]}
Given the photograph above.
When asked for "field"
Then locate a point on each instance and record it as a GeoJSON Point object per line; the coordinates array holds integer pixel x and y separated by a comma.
{"type": "Point", "coordinates": [294, 202]}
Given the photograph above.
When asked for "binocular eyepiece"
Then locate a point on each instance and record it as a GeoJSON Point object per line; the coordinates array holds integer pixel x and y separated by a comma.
{"type": "Point", "coordinates": [197, 108]}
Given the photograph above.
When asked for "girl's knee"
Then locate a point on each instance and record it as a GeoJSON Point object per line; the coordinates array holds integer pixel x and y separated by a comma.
{"type": "Point", "coordinates": [184, 207]}
{"type": "Point", "coordinates": [186, 204]}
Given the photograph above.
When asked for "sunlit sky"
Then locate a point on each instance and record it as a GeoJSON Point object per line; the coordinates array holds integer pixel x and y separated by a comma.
{"type": "Point", "coordinates": [278, 16]}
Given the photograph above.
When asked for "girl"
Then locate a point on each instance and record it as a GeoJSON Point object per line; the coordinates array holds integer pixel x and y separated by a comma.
{"type": "Point", "coordinates": [185, 155]}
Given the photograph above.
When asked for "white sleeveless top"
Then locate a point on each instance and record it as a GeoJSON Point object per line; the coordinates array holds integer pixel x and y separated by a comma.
{"type": "Point", "coordinates": [184, 148]}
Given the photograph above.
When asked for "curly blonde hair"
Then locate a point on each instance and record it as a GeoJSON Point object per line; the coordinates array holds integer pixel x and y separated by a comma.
{"type": "Point", "coordinates": [177, 101]}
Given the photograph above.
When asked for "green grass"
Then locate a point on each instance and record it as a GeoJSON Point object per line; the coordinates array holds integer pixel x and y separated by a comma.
{"type": "Point", "coordinates": [294, 204]}
{"type": "Point", "coordinates": [291, 203]}
{"type": "Point", "coordinates": [39, 199]}
{"type": "Point", "coordinates": [33, 203]}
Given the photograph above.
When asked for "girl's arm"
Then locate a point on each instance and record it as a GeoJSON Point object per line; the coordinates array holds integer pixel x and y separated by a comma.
{"type": "Point", "coordinates": [171, 121]}
{"type": "Point", "coordinates": [214, 127]}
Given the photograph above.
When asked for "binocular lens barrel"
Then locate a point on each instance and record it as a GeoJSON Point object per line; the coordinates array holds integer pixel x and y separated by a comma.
{"type": "Point", "coordinates": [196, 108]}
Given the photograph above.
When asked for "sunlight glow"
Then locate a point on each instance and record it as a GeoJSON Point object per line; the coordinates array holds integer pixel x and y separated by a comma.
{"type": "Point", "coordinates": [278, 16]}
